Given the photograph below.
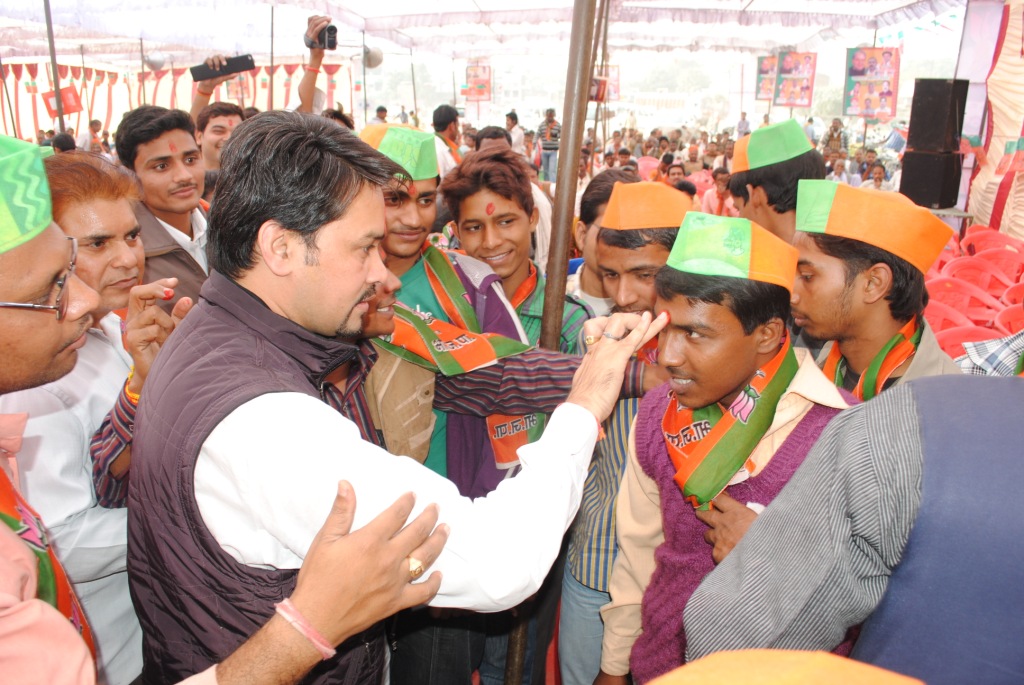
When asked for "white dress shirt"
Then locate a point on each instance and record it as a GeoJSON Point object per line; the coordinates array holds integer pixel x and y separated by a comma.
{"type": "Point", "coordinates": [267, 475]}
{"type": "Point", "coordinates": [55, 476]}
{"type": "Point", "coordinates": [518, 140]}
{"type": "Point", "coordinates": [196, 245]}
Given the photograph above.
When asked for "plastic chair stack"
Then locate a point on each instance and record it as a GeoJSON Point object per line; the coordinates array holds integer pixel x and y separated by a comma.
{"type": "Point", "coordinates": [976, 289]}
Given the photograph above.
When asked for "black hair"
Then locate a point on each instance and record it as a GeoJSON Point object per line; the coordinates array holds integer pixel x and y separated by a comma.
{"type": "Point", "coordinates": [780, 180]}
{"type": "Point", "coordinates": [210, 183]}
{"type": "Point", "coordinates": [514, 117]}
{"type": "Point", "coordinates": [626, 150]}
{"type": "Point", "coordinates": [145, 124]}
{"type": "Point", "coordinates": [63, 142]}
{"type": "Point", "coordinates": [218, 109]}
{"type": "Point", "coordinates": [720, 171]}
{"type": "Point", "coordinates": [638, 238]}
{"type": "Point", "coordinates": [444, 115]}
{"type": "Point", "coordinates": [300, 170]}
{"type": "Point", "coordinates": [667, 158]}
{"type": "Point", "coordinates": [599, 191]}
{"type": "Point", "coordinates": [492, 133]}
{"type": "Point", "coordinates": [870, 150]}
{"type": "Point", "coordinates": [754, 303]}
{"type": "Point", "coordinates": [661, 138]}
{"type": "Point", "coordinates": [342, 118]}
{"type": "Point", "coordinates": [908, 295]}
{"type": "Point", "coordinates": [686, 187]}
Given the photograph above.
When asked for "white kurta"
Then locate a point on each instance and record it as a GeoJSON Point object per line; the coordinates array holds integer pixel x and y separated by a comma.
{"type": "Point", "coordinates": [267, 475]}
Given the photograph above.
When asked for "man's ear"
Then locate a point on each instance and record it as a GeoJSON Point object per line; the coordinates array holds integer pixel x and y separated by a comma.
{"type": "Point", "coordinates": [580, 235]}
{"type": "Point", "coordinates": [769, 336]}
{"type": "Point", "coordinates": [534, 218]}
{"type": "Point", "coordinates": [758, 196]}
{"type": "Point", "coordinates": [279, 248]}
{"type": "Point", "coordinates": [878, 281]}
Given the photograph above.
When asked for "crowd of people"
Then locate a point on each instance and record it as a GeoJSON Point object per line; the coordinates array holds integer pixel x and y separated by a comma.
{"type": "Point", "coordinates": [222, 328]}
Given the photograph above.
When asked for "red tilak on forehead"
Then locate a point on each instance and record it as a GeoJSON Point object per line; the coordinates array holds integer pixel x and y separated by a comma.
{"type": "Point", "coordinates": [490, 208]}
{"type": "Point", "coordinates": [174, 148]}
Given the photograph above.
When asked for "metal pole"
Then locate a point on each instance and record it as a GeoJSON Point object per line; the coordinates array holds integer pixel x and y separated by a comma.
{"type": "Point", "coordinates": [85, 91]}
{"type": "Point", "coordinates": [366, 91]}
{"type": "Point", "coordinates": [574, 111]}
{"type": "Point", "coordinates": [53, 65]}
{"type": "Point", "coordinates": [598, 32]}
{"type": "Point", "coordinates": [455, 98]}
{"type": "Point", "coordinates": [412, 71]}
{"type": "Point", "coordinates": [142, 74]}
{"type": "Point", "coordinates": [271, 103]}
{"type": "Point", "coordinates": [10, 107]}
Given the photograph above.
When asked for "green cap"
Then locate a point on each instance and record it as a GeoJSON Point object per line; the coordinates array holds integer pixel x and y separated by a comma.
{"type": "Point", "coordinates": [710, 245]}
{"type": "Point", "coordinates": [25, 207]}
{"type": "Point", "coordinates": [411, 148]}
{"type": "Point", "coordinates": [770, 145]}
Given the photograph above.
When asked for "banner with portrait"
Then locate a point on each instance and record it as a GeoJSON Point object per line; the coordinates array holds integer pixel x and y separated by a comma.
{"type": "Point", "coordinates": [794, 86]}
{"type": "Point", "coordinates": [872, 81]}
{"type": "Point", "coordinates": [766, 67]}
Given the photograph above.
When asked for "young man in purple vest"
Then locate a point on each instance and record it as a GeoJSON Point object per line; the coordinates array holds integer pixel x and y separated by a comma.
{"type": "Point", "coordinates": [740, 413]}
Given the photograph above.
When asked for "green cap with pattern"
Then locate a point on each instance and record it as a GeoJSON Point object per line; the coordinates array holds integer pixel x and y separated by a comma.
{"type": "Point", "coordinates": [411, 148]}
{"type": "Point", "coordinates": [710, 245]}
{"type": "Point", "coordinates": [25, 207]}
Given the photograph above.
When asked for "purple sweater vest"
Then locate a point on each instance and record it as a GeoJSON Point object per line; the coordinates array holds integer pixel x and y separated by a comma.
{"type": "Point", "coordinates": [682, 561]}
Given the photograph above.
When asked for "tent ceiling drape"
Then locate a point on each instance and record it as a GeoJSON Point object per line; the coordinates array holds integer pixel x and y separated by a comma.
{"type": "Point", "coordinates": [186, 30]}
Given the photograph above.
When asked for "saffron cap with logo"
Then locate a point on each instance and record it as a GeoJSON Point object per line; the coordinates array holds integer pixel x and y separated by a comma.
{"type": "Point", "coordinates": [647, 204]}
{"type": "Point", "coordinates": [710, 245]}
{"type": "Point", "coordinates": [25, 206]}
{"type": "Point", "coordinates": [781, 667]}
{"type": "Point", "coordinates": [411, 148]}
{"type": "Point", "coordinates": [770, 145]}
{"type": "Point", "coordinates": [885, 219]}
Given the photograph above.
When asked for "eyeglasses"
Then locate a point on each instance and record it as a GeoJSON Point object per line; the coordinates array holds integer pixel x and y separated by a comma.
{"type": "Point", "coordinates": [60, 305]}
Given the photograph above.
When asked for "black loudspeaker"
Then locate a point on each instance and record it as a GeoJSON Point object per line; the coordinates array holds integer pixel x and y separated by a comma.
{"type": "Point", "coordinates": [937, 114]}
{"type": "Point", "coordinates": [932, 179]}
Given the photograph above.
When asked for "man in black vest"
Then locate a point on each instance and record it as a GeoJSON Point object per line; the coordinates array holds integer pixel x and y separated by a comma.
{"type": "Point", "coordinates": [234, 442]}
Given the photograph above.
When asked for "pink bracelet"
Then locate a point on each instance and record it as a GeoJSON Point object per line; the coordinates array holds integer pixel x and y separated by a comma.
{"type": "Point", "coordinates": [289, 613]}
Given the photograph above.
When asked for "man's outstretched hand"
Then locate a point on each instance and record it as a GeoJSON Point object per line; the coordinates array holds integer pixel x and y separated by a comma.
{"type": "Point", "coordinates": [611, 342]}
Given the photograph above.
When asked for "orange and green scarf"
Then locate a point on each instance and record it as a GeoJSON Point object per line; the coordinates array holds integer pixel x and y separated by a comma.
{"type": "Point", "coordinates": [52, 585]}
{"type": "Point", "coordinates": [708, 445]}
{"type": "Point", "coordinates": [896, 352]}
{"type": "Point", "coordinates": [460, 347]}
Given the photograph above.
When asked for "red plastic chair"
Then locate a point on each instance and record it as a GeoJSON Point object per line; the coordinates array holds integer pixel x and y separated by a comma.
{"type": "Point", "coordinates": [1010, 262]}
{"type": "Point", "coordinates": [950, 252]}
{"type": "Point", "coordinates": [986, 240]}
{"type": "Point", "coordinates": [966, 298]}
{"type": "Point", "coordinates": [1011, 319]}
{"type": "Point", "coordinates": [952, 340]}
{"type": "Point", "coordinates": [1014, 294]}
{"type": "Point", "coordinates": [941, 316]}
{"type": "Point", "coordinates": [980, 272]}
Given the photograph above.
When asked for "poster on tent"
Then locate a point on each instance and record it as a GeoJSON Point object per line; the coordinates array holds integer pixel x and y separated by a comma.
{"type": "Point", "coordinates": [872, 82]}
{"type": "Point", "coordinates": [478, 80]}
{"type": "Point", "coordinates": [611, 73]}
{"type": "Point", "coordinates": [794, 86]}
{"type": "Point", "coordinates": [766, 67]}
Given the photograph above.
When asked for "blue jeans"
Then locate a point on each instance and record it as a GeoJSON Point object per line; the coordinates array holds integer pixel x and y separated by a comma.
{"type": "Point", "coordinates": [549, 164]}
{"type": "Point", "coordinates": [580, 631]}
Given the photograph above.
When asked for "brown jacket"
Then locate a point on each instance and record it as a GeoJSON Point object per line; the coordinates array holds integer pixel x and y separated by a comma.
{"type": "Point", "coordinates": [166, 258]}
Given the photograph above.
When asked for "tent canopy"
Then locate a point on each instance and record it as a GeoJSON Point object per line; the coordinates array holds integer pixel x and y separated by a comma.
{"type": "Point", "coordinates": [188, 30]}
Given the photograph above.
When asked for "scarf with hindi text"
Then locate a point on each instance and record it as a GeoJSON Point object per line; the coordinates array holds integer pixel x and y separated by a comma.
{"type": "Point", "coordinates": [708, 446]}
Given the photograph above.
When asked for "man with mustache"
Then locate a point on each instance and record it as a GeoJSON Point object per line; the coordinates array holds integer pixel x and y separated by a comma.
{"type": "Point", "coordinates": [45, 636]}
{"type": "Point", "coordinates": [159, 146]}
{"type": "Point", "coordinates": [92, 202]}
{"type": "Point", "coordinates": [214, 511]}
{"type": "Point", "coordinates": [741, 411]}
